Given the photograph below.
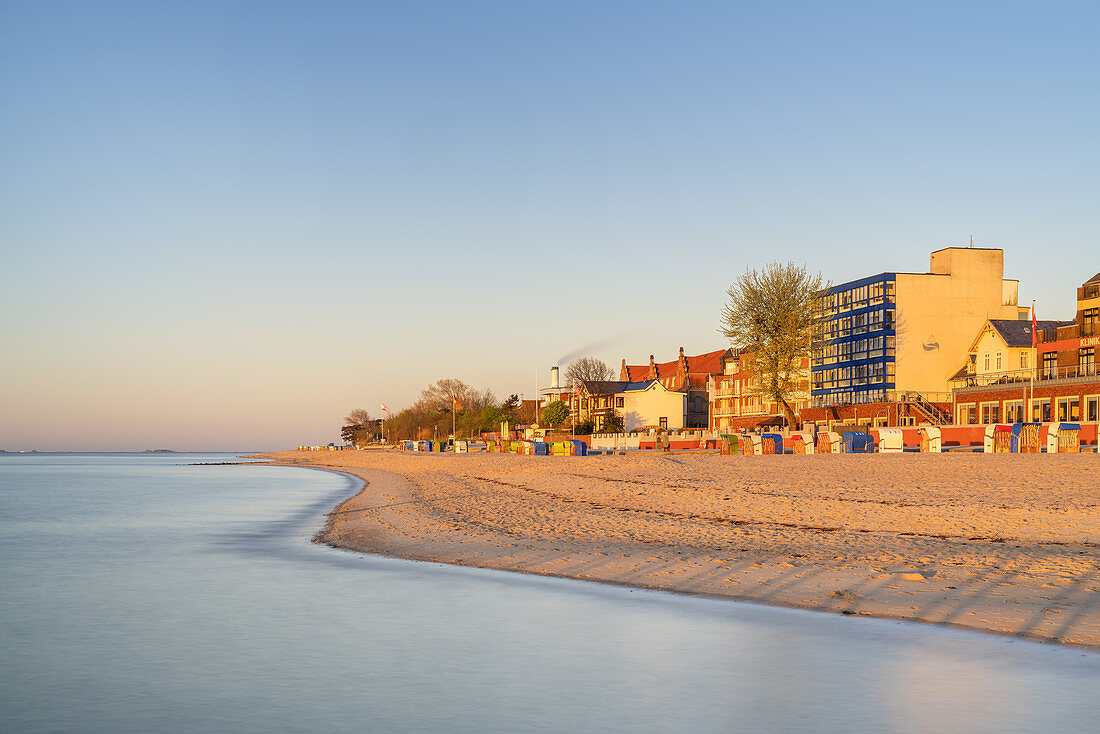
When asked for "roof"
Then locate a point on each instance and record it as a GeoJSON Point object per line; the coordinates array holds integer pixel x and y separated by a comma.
{"type": "Point", "coordinates": [1093, 279]}
{"type": "Point", "coordinates": [604, 387]}
{"type": "Point", "coordinates": [1017, 333]}
{"type": "Point", "coordinates": [709, 363]}
{"type": "Point", "coordinates": [639, 386]}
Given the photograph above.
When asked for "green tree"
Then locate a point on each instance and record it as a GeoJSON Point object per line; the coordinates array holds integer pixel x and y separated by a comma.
{"type": "Point", "coordinates": [770, 312]}
{"type": "Point", "coordinates": [349, 433]}
{"type": "Point", "coordinates": [611, 422]}
{"type": "Point", "coordinates": [555, 413]}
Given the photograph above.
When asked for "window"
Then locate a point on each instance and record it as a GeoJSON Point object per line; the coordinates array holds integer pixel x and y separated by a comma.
{"type": "Point", "coordinates": [1050, 365]}
{"type": "Point", "coordinates": [1086, 361]}
{"type": "Point", "coordinates": [998, 360]}
{"type": "Point", "coordinates": [663, 423]}
{"type": "Point", "coordinates": [1014, 411]}
{"type": "Point", "coordinates": [618, 402]}
{"type": "Point", "coordinates": [1040, 411]}
{"type": "Point", "coordinates": [1023, 360]}
{"type": "Point", "coordinates": [967, 415]}
{"type": "Point", "coordinates": [986, 361]}
{"type": "Point", "coordinates": [990, 413]}
{"type": "Point", "coordinates": [1069, 409]}
{"type": "Point", "coordinates": [1092, 408]}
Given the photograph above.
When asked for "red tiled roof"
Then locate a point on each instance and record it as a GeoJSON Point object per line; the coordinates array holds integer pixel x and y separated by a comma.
{"type": "Point", "coordinates": [709, 363]}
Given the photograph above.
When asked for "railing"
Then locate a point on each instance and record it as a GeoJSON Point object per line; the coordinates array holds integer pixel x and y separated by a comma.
{"type": "Point", "coordinates": [1016, 377]}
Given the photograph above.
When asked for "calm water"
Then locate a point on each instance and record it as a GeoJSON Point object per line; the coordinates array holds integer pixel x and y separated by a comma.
{"type": "Point", "coordinates": [141, 594]}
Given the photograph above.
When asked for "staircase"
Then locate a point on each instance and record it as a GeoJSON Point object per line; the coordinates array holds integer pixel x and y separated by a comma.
{"type": "Point", "coordinates": [930, 411]}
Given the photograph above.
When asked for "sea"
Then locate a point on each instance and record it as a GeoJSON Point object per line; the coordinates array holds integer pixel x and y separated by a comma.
{"type": "Point", "coordinates": [182, 593]}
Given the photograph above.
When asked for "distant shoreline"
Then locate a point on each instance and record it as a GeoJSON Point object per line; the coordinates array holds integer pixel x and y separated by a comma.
{"type": "Point", "coordinates": [1007, 555]}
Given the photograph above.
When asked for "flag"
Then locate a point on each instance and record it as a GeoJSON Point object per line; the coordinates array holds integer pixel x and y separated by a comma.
{"type": "Point", "coordinates": [455, 404]}
{"type": "Point", "coordinates": [386, 410]}
{"type": "Point", "coordinates": [1034, 327]}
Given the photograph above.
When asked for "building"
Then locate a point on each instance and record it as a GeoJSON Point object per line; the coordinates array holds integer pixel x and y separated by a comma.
{"type": "Point", "coordinates": [890, 343]}
{"type": "Point", "coordinates": [642, 405]}
{"type": "Point", "coordinates": [1061, 382]}
{"type": "Point", "coordinates": [735, 402]}
{"type": "Point", "coordinates": [686, 374]}
{"type": "Point", "coordinates": [1001, 354]}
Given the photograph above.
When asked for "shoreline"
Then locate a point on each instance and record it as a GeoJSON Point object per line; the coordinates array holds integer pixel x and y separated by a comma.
{"type": "Point", "coordinates": [1021, 559]}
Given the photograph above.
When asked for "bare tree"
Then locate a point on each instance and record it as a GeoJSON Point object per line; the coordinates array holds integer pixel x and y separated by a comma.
{"type": "Point", "coordinates": [771, 313]}
{"type": "Point", "coordinates": [358, 417]}
{"type": "Point", "coordinates": [449, 394]}
{"type": "Point", "coordinates": [588, 369]}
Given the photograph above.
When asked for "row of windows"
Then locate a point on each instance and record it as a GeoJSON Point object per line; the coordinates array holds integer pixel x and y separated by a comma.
{"type": "Point", "coordinates": [857, 297]}
{"type": "Point", "coordinates": [878, 320]}
{"type": "Point", "coordinates": [997, 362]}
{"type": "Point", "coordinates": [850, 397]}
{"type": "Point", "coordinates": [862, 374]}
{"type": "Point", "coordinates": [870, 348]}
{"type": "Point", "coordinates": [1012, 411]}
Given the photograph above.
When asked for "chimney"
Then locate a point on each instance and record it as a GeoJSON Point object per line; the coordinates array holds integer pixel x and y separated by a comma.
{"type": "Point", "coordinates": [553, 376]}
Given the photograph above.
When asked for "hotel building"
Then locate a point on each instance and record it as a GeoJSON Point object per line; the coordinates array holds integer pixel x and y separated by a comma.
{"type": "Point", "coordinates": [891, 342]}
{"type": "Point", "coordinates": [1060, 381]}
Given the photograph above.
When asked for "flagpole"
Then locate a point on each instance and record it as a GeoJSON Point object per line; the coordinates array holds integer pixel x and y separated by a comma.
{"type": "Point", "coordinates": [1034, 358]}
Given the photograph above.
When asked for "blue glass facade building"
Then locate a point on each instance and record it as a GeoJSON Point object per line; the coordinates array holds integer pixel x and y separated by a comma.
{"type": "Point", "coordinates": [854, 362]}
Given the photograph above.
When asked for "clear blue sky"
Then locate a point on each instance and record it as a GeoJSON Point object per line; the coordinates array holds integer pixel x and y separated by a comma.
{"type": "Point", "coordinates": [225, 224]}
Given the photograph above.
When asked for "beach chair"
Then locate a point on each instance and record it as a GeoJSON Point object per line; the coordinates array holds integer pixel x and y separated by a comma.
{"type": "Point", "coordinates": [727, 444]}
{"type": "Point", "coordinates": [1064, 438]}
{"type": "Point", "coordinates": [997, 439]}
{"type": "Point", "coordinates": [1025, 438]}
{"type": "Point", "coordinates": [804, 442]}
{"type": "Point", "coordinates": [580, 448]}
{"type": "Point", "coordinates": [771, 443]}
{"type": "Point", "coordinates": [890, 441]}
{"type": "Point", "coordinates": [829, 442]}
{"type": "Point", "coordinates": [750, 444]}
{"type": "Point", "coordinates": [857, 442]}
{"type": "Point", "coordinates": [930, 439]}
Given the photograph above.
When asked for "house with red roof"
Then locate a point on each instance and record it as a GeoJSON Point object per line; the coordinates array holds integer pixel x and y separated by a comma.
{"type": "Point", "coordinates": [687, 374]}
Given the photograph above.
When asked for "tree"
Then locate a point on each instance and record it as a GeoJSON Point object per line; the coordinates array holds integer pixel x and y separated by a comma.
{"type": "Point", "coordinates": [771, 313]}
{"type": "Point", "coordinates": [555, 413]}
{"type": "Point", "coordinates": [588, 369]}
{"type": "Point", "coordinates": [446, 395]}
{"type": "Point", "coordinates": [358, 417]}
{"type": "Point", "coordinates": [349, 433]}
{"type": "Point", "coordinates": [611, 422]}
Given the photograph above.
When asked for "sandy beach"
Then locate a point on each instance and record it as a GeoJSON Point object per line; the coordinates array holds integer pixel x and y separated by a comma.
{"type": "Point", "coordinates": [1003, 543]}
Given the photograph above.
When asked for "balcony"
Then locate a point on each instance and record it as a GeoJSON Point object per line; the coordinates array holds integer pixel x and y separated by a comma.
{"type": "Point", "coordinates": [1050, 376]}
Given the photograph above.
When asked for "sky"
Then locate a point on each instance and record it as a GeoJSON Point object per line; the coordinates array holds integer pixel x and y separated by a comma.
{"type": "Point", "coordinates": [224, 225]}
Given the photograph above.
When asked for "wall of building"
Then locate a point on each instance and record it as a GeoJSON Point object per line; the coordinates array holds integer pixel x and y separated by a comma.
{"type": "Point", "coordinates": [939, 313]}
{"type": "Point", "coordinates": [647, 407]}
{"type": "Point", "coordinates": [990, 342]}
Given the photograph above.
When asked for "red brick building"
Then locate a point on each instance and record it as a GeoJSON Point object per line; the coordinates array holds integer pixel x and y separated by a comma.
{"type": "Point", "coordinates": [1062, 385]}
{"type": "Point", "coordinates": [735, 402]}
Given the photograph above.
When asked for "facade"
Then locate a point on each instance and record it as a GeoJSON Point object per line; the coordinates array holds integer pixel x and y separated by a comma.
{"type": "Point", "coordinates": [642, 405]}
{"type": "Point", "coordinates": [687, 374]}
{"type": "Point", "coordinates": [1061, 384]}
{"type": "Point", "coordinates": [735, 402]}
{"type": "Point", "coordinates": [894, 340]}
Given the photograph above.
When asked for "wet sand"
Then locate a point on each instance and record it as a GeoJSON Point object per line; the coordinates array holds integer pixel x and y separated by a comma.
{"type": "Point", "coordinates": [1003, 543]}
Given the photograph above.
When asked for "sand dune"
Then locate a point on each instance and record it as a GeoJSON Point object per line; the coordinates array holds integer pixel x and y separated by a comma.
{"type": "Point", "coordinates": [1002, 542]}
